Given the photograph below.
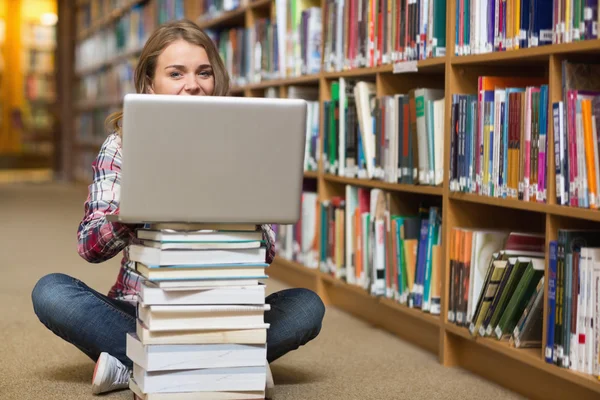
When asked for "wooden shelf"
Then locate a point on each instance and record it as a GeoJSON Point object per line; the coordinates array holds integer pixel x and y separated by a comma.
{"type": "Point", "coordinates": [499, 202]}
{"type": "Point", "coordinates": [311, 174]}
{"type": "Point", "coordinates": [432, 64]}
{"type": "Point", "coordinates": [304, 79]}
{"type": "Point", "coordinates": [108, 63]}
{"type": "Point", "coordinates": [420, 328]}
{"type": "Point", "coordinates": [227, 18]}
{"type": "Point", "coordinates": [529, 356]}
{"type": "Point", "coordinates": [413, 312]}
{"type": "Point", "coordinates": [540, 54]}
{"type": "Point", "coordinates": [552, 209]}
{"type": "Point", "coordinates": [395, 187]}
{"type": "Point", "coordinates": [109, 19]}
{"type": "Point", "coordinates": [260, 4]}
{"type": "Point", "coordinates": [95, 104]}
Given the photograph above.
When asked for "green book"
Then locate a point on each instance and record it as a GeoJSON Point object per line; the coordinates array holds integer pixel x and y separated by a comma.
{"type": "Point", "coordinates": [333, 126]}
{"type": "Point", "coordinates": [505, 293]}
{"type": "Point", "coordinates": [525, 288]}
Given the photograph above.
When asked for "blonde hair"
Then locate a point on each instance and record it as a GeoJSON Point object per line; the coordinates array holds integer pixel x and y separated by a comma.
{"type": "Point", "coordinates": [157, 42]}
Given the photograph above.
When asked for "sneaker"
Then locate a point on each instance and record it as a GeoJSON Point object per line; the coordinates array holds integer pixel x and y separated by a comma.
{"type": "Point", "coordinates": [270, 384]}
{"type": "Point", "coordinates": [110, 374]}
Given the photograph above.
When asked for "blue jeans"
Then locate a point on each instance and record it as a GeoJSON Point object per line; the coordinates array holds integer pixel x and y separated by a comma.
{"type": "Point", "coordinates": [95, 323]}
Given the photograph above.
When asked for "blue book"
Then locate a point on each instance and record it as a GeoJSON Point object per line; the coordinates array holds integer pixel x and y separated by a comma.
{"type": "Point", "coordinates": [551, 313]}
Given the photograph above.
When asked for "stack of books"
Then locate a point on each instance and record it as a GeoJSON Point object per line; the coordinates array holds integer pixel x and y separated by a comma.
{"type": "Point", "coordinates": [200, 318]}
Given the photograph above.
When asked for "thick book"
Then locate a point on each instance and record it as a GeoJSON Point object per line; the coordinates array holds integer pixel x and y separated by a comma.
{"type": "Point", "coordinates": [152, 256]}
{"type": "Point", "coordinates": [228, 395]}
{"type": "Point", "coordinates": [202, 236]}
{"type": "Point", "coordinates": [192, 317]}
{"type": "Point", "coordinates": [169, 357]}
{"type": "Point", "coordinates": [189, 284]}
{"type": "Point", "coordinates": [182, 226]}
{"type": "Point", "coordinates": [256, 335]}
{"type": "Point", "coordinates": [201, 380]}
{"type": "Point", "coordinates": [216, 295]}
{"type": "Point", "coordinates": [160, 245]}
{"type": "Point", "coordinates": [233, 272]}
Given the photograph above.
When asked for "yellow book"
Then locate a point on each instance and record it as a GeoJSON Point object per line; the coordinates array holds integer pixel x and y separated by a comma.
{"type": "Point", "coordinates": [590, 162]}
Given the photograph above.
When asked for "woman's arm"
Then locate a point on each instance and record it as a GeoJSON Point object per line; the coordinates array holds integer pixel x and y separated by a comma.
{"type": "Point", "coordinates": [98, 239]}
{"type": "Point", "coordinates": [269, 238]}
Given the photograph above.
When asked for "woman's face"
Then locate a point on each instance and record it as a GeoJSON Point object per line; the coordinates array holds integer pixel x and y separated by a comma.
{"type": "Point", "coordinates": [183, 69]}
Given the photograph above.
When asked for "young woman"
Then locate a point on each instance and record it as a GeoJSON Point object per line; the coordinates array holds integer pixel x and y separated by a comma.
{"type": "Point", "coordinates": [179, 58]}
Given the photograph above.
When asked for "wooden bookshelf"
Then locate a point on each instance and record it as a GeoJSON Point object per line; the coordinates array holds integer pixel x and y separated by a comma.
{"type": "Point", "coordinates": [521, 370]}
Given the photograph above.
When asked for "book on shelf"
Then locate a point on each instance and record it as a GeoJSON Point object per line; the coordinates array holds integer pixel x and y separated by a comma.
{"type": "Point", "coordinates": [288, 46]}
{"type": "Point", "coordinates": [576, 145]}
{"type": "Point", "coordinates": [499, 139]}
{"type": "Point", "coordinates": [486, 267]}
{"type": "Point", "coordinates": [392, 255]}
{"type": "Point", "coordinates": [573, 302]}
{"type": "Point", "coordinates": [492, 25]}
{"type": "Point", "coordinates": [298, 242]}
{"type": "Point", "coordinates": [312, 146]}
{"type": "Point", "coordinates": [200, 323]}
{"type": "Point", "coordinates": [370, 33]}
{"type": "Point", "coordinates": [396, 138]}
{"type": "Point", "coordinates": [127, 34]}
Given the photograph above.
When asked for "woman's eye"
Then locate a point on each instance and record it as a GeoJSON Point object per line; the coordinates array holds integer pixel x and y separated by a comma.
{"type": "Point", "coordinates": [175, 75]}
{"type": "Point", "coordinates": [205, 74]}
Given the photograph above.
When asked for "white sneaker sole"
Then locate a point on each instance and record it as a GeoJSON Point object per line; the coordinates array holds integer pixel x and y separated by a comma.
{"type": "Point", "coordinates": [99, 372]}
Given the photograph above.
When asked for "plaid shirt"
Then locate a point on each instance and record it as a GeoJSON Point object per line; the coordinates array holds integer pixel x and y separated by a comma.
{"type": "Point", "coordinates": [100, 240]}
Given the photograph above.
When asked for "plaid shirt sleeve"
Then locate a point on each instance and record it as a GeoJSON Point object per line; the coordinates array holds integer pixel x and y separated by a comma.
{"type": "Point", "coordinates": [269, 238]}
{"type": "Point", "coordinates": [98, 239]}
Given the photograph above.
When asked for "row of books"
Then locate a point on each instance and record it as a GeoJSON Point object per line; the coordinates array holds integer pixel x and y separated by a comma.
{"type": "Point", "coordinates": [573, 336]}
{"type": "Point", "coordinates": [36, 34]}
{"type": "Point", "coordinates": [494, 25]}
{"type": "Point", "coordinates": [493, 276]}
{"type": "Point", "coordinates": [499, 139]}
{"type": "Point", "coordinates": [266, 51]}
{"type": "Point", "coordinates": [576, 144]}
{"type": "Point", "coordinates": [40, 87]}
{"type": "Point", "coordinates": [200, 327]}
{"type": "Point", "coordinates": [367, 33]}
{"type": "Point", "coordinates": [90, 128]}
{"type": "Point", "coordinates": [89, 12]}
{"type": "Point", "coordinates": [111, 83]}
{"type": "Point", "coordinates": [364, 243]}
{"type": "Point", "coordinates": [395, 138]}
{"type": "Point", "coordinates": [127, 34]}
{"type": "Point", "coordinates": [38, 60]}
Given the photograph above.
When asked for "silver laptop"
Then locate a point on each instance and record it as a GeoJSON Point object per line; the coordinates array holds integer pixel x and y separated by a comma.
{"type": "Point", "coordinates": [211, 159]}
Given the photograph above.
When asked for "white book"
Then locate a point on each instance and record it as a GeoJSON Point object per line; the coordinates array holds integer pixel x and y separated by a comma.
{"type": "Point", "coordinates": [216, 295]}
{"type": "Point", "coordinates": [198, 284]}
{"type": "Point", "coordinates": [256, 335]}
{"type": "Point", "coordinates": [229, 395]}
{"type": "Point", "coordinates": [208, 317]}
{"type": "Point", "coordinates": [364, 92]}
{"type": "Point", "coordinates": [485, 244]}
{"type": "Point", "coordinates": [200, 246]}
{"type": "Point", "coordinates": [201, 380]}
{"type": "Point", "coordinates": [438, 141]}
{"type": "Point", "coordinates": [152, 256]}
{"type": "Point", "coordinates": [166, 357]}
{"type": "Point", "coordinates": [203, 236]}
{"type": "Point", "coordinates": [233, 272]}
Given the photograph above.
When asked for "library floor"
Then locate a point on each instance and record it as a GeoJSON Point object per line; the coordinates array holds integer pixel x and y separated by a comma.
{"type": "Point", "coordinates": [349, 359]}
